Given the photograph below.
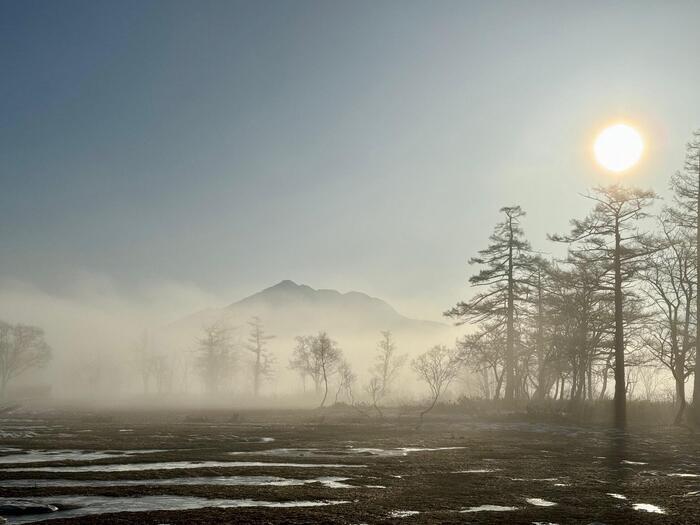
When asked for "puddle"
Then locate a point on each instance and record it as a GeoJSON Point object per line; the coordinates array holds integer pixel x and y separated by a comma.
{"type": "Point", "coordinates": [288, 452]}
{"type": "Point", "coordinates": [476, 471]}
{"type": "Point", "coordinates": [42, 456]}
{"type": "Point", "coordinates": [617, 496]}
{"type": "Point", "coordinates": [403, 513]}
{"type": "Point", "coordinates": [533, 479]}
{"type": "Point", "coordinates": [389, 452]}
{"type": "Point", "coordinates": [628, 462]}
{"type": "Point", "coordinates": [272, 481]}
{"type": "Point", "coordinates": [539, 502]}
{"type": "Point", "coordinates": [19, 434]}
{"type": "Point", "coordinates": [91, 505]}
{"type": "Point", "coordinates": [366, 451]}
{"type": "Point", "coordinates": [169, 465]}
{"type": "Point", "coordinates": [683, 475]}
{"type": "Point", "coordinates": [648, 507]}
{"type": "Point", "coordinates": [489, 508]}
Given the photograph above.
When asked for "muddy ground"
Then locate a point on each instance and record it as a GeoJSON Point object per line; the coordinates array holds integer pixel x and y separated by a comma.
{"type": "Point", "coordinates": [582, 474]}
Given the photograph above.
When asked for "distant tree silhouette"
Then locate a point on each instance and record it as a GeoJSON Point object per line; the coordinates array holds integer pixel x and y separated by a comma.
{"type": "Point", "coordinates": [145, 360]}
{"type": "Point", "coordinates": [263, 360]}
{"type": "Point", "coordinates": [387, 363]}
{"type": "Point", "coordinates": [305, 362]}
{"type": "Point", "coordinates": [214, 355]}
{"type": "Point", "coordinates": [503, 264]}
{"type": "Point", "coordinates": [22, 348]}
{"type": "Point", "coordinates": [318, 357]}
{"type": "Point", "coordinates": [346, 381]}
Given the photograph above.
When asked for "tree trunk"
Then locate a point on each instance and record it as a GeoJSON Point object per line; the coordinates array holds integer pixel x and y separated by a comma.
{"type": "Point", "coordinates": [695, 409]}
{"type": "Point", "coordinates": [620, 391]}
{"type": "Point", "coordinates": [256, 378]}
{"type": "Point", "coordinates": [499, 383]}
{"type": "Point", "coordinates": [432, 405]}
{"type": "Point", "coordinates": [325, 391]}
{"type": "Point", "coordinates": [680, 398]}
{"type": "Point", "coordinates": [604, 388]}
{"type": "Point", "coordinates": [510, 329]}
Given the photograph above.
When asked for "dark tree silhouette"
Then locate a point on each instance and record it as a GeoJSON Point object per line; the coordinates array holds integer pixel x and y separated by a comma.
{"type": "Point", "coordinates": [503, 263]}
{"type": "Point", "coordinates": [609, 235]}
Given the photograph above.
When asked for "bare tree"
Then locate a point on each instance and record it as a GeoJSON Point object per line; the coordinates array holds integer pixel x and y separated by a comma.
{"type": "Point", "coordinates": [686, 212]}
{"type": "Point", "coordinates": [346, 381]}
{"type": "Point", "coordinates": [329, 356]}
{"type": "Point", "coordinates": [669, 279]}
{"type": "Point", "coordinates": [483, 352]}
{"type": "Point", "coordinates": [22, 348]}
{"type": "Point", "coordinates": [438, 367]}
{"type": "Point", "coordinates": [145, 360]}
{"type": "Point", "coordinates": [387, 363]}
{"type": "Point", "coordinates": [317, 357]}
{"type": "Point", "coordinates": [263, 359]}
{"type": "Point", "coordinates": [374, 389]}
{"type": "Point", "coordinates": [305, 363]}
{"type": "Point", "coordinates": [609, 234]}
{"type": "Point", "coordinates": [214, 355]}
{"type": "Point", "coordinates": [163, 372]}
{"type": "Point", "coordinates": [503, 262]}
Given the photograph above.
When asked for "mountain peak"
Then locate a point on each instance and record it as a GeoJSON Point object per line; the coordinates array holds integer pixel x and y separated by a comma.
{"type": "Point", "coordinates": [291, 309]}
{"type": "Point", "coordinates": [286, 284]}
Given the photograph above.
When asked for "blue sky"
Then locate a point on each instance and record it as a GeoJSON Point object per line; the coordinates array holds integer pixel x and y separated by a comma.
{"type": "Point", "coordinates": [354, 145]}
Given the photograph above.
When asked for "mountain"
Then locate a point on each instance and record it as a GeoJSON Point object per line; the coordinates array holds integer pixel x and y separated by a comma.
{"type": "Point", "coordinates": [288, 309]}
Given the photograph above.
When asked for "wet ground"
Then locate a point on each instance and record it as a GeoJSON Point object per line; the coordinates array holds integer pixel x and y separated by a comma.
{"type": "Point", "coordinates": [337, 467]}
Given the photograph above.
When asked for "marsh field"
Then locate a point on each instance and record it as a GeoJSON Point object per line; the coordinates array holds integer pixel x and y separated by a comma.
{"type": "Point", "coordinates": [335, 466]}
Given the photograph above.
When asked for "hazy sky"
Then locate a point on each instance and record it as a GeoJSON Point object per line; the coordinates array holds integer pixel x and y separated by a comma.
{"type": "Point", "coordinates": [224, 146]}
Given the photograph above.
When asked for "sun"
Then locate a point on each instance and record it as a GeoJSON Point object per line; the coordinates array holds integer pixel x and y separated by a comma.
{"type": "Point", "coordinates": [618, 147]}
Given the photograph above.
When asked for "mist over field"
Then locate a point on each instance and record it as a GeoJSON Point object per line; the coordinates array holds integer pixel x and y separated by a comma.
{"type": "Point", "coordinates": [349, 262]}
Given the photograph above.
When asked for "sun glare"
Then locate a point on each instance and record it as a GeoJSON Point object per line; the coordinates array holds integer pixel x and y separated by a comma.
{"type": "Point", "coordinates": [618, 148]}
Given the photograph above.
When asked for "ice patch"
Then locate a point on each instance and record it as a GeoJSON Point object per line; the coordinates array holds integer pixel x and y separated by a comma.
{"type": "Point", "coordinates": [403, 513]}
{"type": "Point", "coordinates": [539, 502]}
{"type": "Point", "coordinates": [43, 456]}
{"type": "Point", "coordinates": [476, 471]}
{"type": "Point", "coordinates": [271, 481]}
{"type": "Point", "coordinates": [648, 507]}
{"type": "Point", "coordinates": [170, 465]}
{"type": "Point", "coordinates": [91, 505]}
{"type": "Point", "coordinates": [489, 508]}
{"type": "Point", "coordinates": [617, 496]}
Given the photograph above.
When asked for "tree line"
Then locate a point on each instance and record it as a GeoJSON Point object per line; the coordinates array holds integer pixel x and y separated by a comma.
{"type": "Point", "coordinates": [625, 294]}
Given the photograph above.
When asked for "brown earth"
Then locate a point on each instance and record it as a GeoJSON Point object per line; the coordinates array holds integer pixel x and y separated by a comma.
{"type": "Point", "coordinates": [574, 467]}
